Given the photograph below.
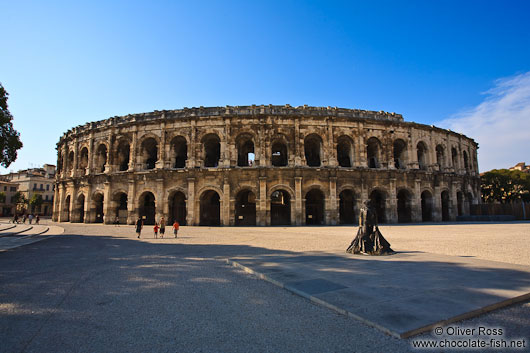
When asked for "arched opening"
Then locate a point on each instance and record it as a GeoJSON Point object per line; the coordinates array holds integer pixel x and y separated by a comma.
{"type": "Point", "coordinates": [83, 160]}
{"type": "Point", "coordinates": [378, 200]}
{"type": "Point", "coordinates": [245, 151]}
{"type": "Point", "coordinates": [101, 158]}
{"type": "Point", "coordinates": [469, 201]}
{"type": "Point", "coordinates": [59, 162]}
{"type": "Point", "coordinates": [177, 208]}
{"type": "Point", "coordinates": [347, 207]}
{"type": "Point", "coordinates": [373, 152]}
{"type": "Point", "coordinates": [314, 207]}
{"type": "Point", "coordinates": [313, 149]}
{"type": "Point", "coordinates": [445, 206]}
{"type": "Point", "coordinates": [426, 206]}
{"type": "Point", "coordinates": [98, 207]}
{"type": "Point", "coordinates": [124, 153]}
{"type": "Point", "coordinates": [440, 157]}
{"type": "Point", "coordinates": [404, 208]}
{"type": "Point", "coordinates": [280, 208]}
{"type": "Point", "coordinates": [179, 152]}
{"type": "Point", "coordinates": [422, 155]}
{"type": "Point", "coordinates": [279, 154]}
{"type": "Point", "coordinates": [400, 154]}
{"type": "Point", "coordinates": [147, 207]}
{"type": "Point", "coordinates": [345, 152]}
{"type": "Point", "coordinates": [245, 208]}
{"type": "Point", "coordinates": [149, 152]}
{"type": "Point", "coordinates": [70, 164]}
{"type": "Point", "coordinates": [210, 209]}
{"type": "Point", "coordinates": [460, 203]}
{"type": "Point", "coordinates": [212, 150]}
{"type": "Point", "coordinates": [120, 200]}
{"type": "Point", "coordinates": [454, 158]}
{"type": "Point", "coordinates": [466, 161]}
{"type": "Point", "coordinates": [66, 209]}
{"type": "Point", "coordinates": [81, 208]}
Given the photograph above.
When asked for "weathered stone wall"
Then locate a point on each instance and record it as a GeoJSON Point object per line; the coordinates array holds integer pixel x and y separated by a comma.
{"type": "Point", "coordinates": [334, 160]}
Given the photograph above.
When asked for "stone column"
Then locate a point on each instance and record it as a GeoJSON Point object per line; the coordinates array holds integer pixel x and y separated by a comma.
{"type": "Point", "coordinates": [225, 211]}
{"type": "Point", "coordinates": [71, 187]}
{"type": "Point", "coordinates": [416, 202]}
{"type": "Point", "coordinates": [161, 202]}
{"type": "Point", "coordinates": [453, 209]}
{"type": "Point", "coordinates": [131, 202]}
{"type": "Point", "coordinates": [74, 169]}
{"type": "Point", "coordinates": [133, 159]}
{"type": "Point", "coordinates": [60, 201]}
{"type": "Point", "coordinates": [332, 209]}
{"type": "Point", "coordinates": [86, 218]}
{"type": "Point", "coordinates": [108, 166]}
{"type": "Point", "coordinates": [262, 203]}
{"type": "Point", "coordinates": [160, 163]}
{"type": "Point", "coordinates": [360, 155]}
{"type": "Point", "coordinates": [299, 158]}
{"type": "Point", "coordinates": [413, 155]}
{"type": "Point", "coordinates": [437, 205]}
{"type": "Point", "coordinates": [91, 153]}
{"type": "Point", "coordinates": [391, 205]}
{"type": "Point", "coordinates": [299, 219]}
{"type": "Point", "coordinates": [107, 218]}
{"type": "Point", "coordinates": [190, 217]}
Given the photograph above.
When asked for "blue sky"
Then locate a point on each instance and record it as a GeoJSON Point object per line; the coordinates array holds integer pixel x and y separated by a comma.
{"type": "Point", "coordinates": [442, 63]}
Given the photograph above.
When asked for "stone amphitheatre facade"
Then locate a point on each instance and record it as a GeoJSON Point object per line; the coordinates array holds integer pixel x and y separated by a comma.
{"type": "Point", "coordinates": [263, 165]}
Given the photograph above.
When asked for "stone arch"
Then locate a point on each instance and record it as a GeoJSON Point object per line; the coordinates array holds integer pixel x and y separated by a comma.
{"type": "Point", "coordinates": [119, 207]}
{"type": "Point", "coordinates": [427, 206]}
{"type": "Point", "coordinates": [211, 150]}
{"type": "Point", "coordinates": [313, 150]}
{"type": "Point", "coordinates": [280, 206]}
{"type": "Point", "coordinates": [466, 161]}
{"type": "Point", "coordinates": [177, 202]}
{"type": "Point", "coordinates": [210, 208]}
{"type": "Point", "coordinates": [101, 157]}
{"type": "Point", "coordinates": [245, 149]}
{"type": "Point", "coordinates": [123, 154]}
{"type": "Point", "coordinates": [245, 212]}
{"type": "Point", "coordinates": [440, 156]}
{"type": "Point", "coordinates": [83, 159]}
{"type": "Point", "coordinates": [178, 152]}
{"type": "Point", "coordinates": [454, 158]}
{"type": "Point", "coordinates": [315, 207]}
{"type": "Point", "coordinates": [80, 207]}
{"type": "Point", "coordinates": [149, 151]}
{"type": "Point", "coordinates": [97, 206]}
{"type": "Point", "coordinates": [345, 151]}
{"type": "Point", "coordinates": [147, 207]}
{"type": "Point", "coordinates": [373, 152]}
{"type": "Point", "coordinates": [285, 187]}
{"type": "Point", "coordinates": [399, 148]}
{"type": "Point", "coordinates": [445, 205]}
{"type": "Point", "coordinates": [280, 151]}
{"type": "Point", "coordinates": [423, 156]}
{"type": "Point", "coordinates": [347, 206]}
{"type": "Point", "coordinates": [404, 205]}
{"type": "Point", "coordinates": [70, 161]}
{"type": "Point", "coordinates": [378, 199]}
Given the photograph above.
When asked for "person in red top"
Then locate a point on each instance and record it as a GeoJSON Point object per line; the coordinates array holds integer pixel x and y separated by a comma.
{"type": "Point", "coordinates": [176, 228]}
{"type": "Point", "coordinates": [155, 228]}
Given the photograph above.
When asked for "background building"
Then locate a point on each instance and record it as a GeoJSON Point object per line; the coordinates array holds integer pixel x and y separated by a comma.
{"type": "Point", "coordinates": [7, 192]}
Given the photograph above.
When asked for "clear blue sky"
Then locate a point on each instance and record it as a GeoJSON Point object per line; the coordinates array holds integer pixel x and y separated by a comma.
{"type": "Point", "coordinates": [66, 63]}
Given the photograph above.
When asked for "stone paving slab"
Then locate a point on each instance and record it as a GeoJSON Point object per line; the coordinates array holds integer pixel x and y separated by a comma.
{"type": "Point", "coordinates": [403, 294]}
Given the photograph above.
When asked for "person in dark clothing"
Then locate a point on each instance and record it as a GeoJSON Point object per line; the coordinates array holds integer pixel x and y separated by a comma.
{"type": "Point", "coordinates": [139, 226]}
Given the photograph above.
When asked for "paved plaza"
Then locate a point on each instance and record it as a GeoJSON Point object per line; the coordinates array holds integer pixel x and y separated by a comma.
{"type": "Point", "coordinates": [99, 288]}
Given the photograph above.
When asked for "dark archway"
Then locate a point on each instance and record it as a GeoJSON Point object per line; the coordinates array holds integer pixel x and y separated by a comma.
{"type": "Point", "coordinates": [212, 150]}
{"type": "Point", "coordinates": [280, 208]}
{"type": "Point", "coordinates": [149, 153]}
{"type": "Point", "coordinates": [124, 152]}
{"type": "Point", "coordinates": [179, 152]}
{"type": "Point", "coordinates": [378, 200]}
{"type": "Point", "coordinates": [400, 154]}
{"type": "Point", "coordinates": [101, 158]}
{"type": "Point", "coordinates": [454, 158]}
{"type": "Point", "coordinates": [210, 209]}
{"type": "Point", "coordinates": [245, 151]}
{"type": "Point", "coordinates": [245, 208]}
{"type": "Point", "coordinates": [81, 208]}
{"type": "Point", "coordinates": [404, 208]}
{"type": "Point", "coordinates": [177, 208]}
{"type": "Point", "coordinates": [66, 209]}
{"type": "Point", "coordinates": [98, 208]}
{"type": "Point", "coordinates": [70, 164]}
{"type": "Point", "coordinates": [279, 154]}
{"type": "Point", "coordinates": [422, 155]}
{"type": "Point", "coordinates": [347, 207]}
{"type": "Point", "coordinates": [445, 206]}
{"type": "Point", "coordinates": [83, 160]}
{"type": "Point", "coordinates": [120, 200]}
{"type": "Point", "coordinates": [466, 161]}
{"type": "Point", "coordinates": [426, 206]}
{"type": "Point", "coordinates": [314, 207]}
{"type": "Point", "coordinates": [312, 150]}
{"type": "Point", "coordinates": [460, 203]}
{"type": "Point", "coordinates": [147, 207]}
{"type": "Point", "coordinates": [440, 157]}
{"type": "Point", "coordinates": [373, 152]}
{"type": "Point", "coordinates": [345, 152]}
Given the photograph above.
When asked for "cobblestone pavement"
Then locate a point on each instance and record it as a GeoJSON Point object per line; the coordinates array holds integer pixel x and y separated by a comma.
{"type": "Point", "coordinates": [99, 288]}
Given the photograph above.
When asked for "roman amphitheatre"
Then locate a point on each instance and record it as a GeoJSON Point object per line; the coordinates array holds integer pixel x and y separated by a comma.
{"type": "Point", "coordinates": [263, 165]}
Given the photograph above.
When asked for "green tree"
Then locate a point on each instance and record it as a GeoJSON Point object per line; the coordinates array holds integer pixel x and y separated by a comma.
{"type": "Point", "coordinates": [2, 197]}
{"type": "Point", "coordinates": [505, 186]}
{"type": "Point", "coordinates": [20, 200]}
{"type": "Point", "coordinates": [36, 201]}
{"type": "Point", "coordinates": [9, 138]}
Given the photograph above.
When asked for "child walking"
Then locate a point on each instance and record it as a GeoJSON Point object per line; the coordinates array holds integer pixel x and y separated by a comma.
{"type": "Point", "coordinates": [155, 228]}
{"type": "Point", "coordinates": [176, 228]}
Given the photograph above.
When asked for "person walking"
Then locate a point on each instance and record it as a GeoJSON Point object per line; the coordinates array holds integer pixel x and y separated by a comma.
{"type": "Point", "coordinates": [155, 228]}
{"type": "Point", "coordinates": [30, 217]}
{"type": "Point", "coordinates": [176, 228]}
{"type": "Point", "coordinates": [24, 219]}
{"type": "Point", "coordinates": [37, 219]}
{"type": "Point", "coordinates": [162, 227]}
{"type": "Point", "coordinates": [139, 226]}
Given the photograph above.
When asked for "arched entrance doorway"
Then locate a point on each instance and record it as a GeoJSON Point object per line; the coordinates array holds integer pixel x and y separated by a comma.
{"type": "Point", "coordinates": [460, 203]}
{"type": "Point", "coordinates": [81, 208]}
{"type": "Point", "coordinates": [347, 207]}
{"type": "Point", "coordinates": [404, 208]}
{"type": "Point", "coordinates": [426, 206]}
{"type": "Point", "coordinates": [147, 207]}
{"type": "Point", "coordinates": [445, 206]}
{"type": "Point", "coordinates": [98, 208]}
{"type": "Point", "coordinates": [177, 208]}
{"type": "Point", "coordinates": [210, 209]}
{"type": "Point", "coordinates": [120, 200]}
{"type": "Point", "coordinates": [378, 201]}
{"type": "Point", "coordinates": [280, 208]}
{"type": "Point", "coordinates": [314, 207]}
{"type": "Point", "coordinates": [245, 208]}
